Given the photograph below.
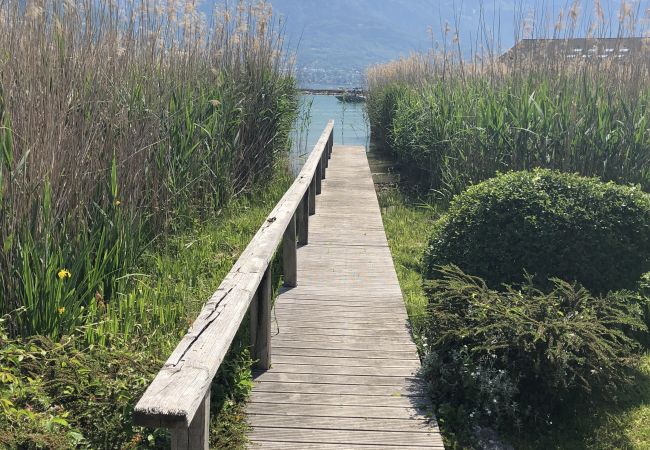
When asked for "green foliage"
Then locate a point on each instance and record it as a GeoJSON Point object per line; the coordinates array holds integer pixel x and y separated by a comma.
{"type": "Point", "coordinates": [455, 132]}
{"type": "Point", "coordinates": [523, 354]}
{"type": "Point", "coordinates": [548, 224]}
{"type": "Point", "coordinates": [57, 396]}
{"type": "Point", "coordinates": [126, 150]}
{"type": "Point", "coordinates": [92, 388]}
{"type": "Point", "coordinates": [408, 226]}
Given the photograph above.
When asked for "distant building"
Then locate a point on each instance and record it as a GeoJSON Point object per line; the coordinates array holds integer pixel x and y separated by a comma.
{"type": "Point", "coordinates": [617, 49]}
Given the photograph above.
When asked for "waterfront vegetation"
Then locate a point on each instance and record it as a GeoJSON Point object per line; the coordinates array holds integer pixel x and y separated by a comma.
{"type": "Point", "coordinates": [598, 424]}
{"type": "Point", "coordinates": [141, 146]}
{"type": "Point", "coordinates": [527, 335]}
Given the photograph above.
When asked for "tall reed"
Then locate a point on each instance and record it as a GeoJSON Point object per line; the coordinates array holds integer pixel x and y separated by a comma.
{"type": "Point", "coordinates": [454, 121]}
{"type": "Point", "coordinates": [121, 121]}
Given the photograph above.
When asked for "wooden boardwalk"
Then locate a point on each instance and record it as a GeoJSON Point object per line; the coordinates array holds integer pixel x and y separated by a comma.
{"type": "Point", "coordinates": [344, 365]}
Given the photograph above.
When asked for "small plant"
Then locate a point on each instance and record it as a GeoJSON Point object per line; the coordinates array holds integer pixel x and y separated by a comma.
{"type": "Point", "coordinates": [548, 224]}
{"type": "Point", "coordinates": [518, 354]}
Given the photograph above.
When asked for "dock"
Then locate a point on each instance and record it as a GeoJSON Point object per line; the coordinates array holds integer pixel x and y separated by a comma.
{"type": "Point", "coordinates": [335, 366]}
{"type": "Point", "coordinates": [344, 366]}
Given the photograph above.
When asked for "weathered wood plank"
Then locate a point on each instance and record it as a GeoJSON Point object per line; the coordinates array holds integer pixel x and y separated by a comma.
{"type": "Point", "coordinates": [321, 388]}
{"type": "Point", "coordinates": [285, 377]}
{"type": "Point", "coordinates": [278, 398]}
{"type": "Point", "coordinates": [289, 255]}
{"type": "Point", "coordinates": [359, 361]}
{"type": "Point", "coordinates": [288, 349]}
{"type": "Point", "coordinates": [377, 412]}
{"type": "Point", "coordinates": [261, 334]}
{"type": "Point", "coordinates": [346, 437]}
{"type": "Point", "coordinates": [175, 395]}
{"type": "Point", "coordinates": [279, 445]}
{"type": "Point", "coordinates": [343, 423]}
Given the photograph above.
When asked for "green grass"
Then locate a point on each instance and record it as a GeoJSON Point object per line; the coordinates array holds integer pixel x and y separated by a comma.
{"type": "Point", "coordinates": [177, 274]}
{"type": "Point", "coordinates": [408, 225]}
{"type": "Point", "coordinates": [624, 424]}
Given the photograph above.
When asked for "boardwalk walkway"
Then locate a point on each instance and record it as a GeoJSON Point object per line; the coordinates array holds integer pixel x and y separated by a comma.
{"type": "Point", "coordinates": [343, 367]}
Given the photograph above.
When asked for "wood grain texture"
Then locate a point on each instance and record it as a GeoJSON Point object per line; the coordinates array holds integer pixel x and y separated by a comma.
{"type": "Point", "coordinates": [175, 395]}
{"type": "Point", "coordinates": [344, 372]}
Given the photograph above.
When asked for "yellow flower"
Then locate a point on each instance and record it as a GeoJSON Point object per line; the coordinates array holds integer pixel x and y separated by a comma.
{"type": "Point", "coordinates": [63, 273]}
{"type": "Point", "coordinates": [117, 202]}
{"type": "Point", "coordinates": [61, 309]}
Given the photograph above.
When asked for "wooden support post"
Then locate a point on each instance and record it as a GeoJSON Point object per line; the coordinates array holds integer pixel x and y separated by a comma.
{"type": "Point", "coordinates": [312, 196]}
{"type": "Point", "coordinates": [289, 256]}
{"type": "Point", "coordinates": [324, 160]}
{"type": "Point", "coordinates": [326, 154]}
{"type": "Point", "coordinates": [330, 143]}
{"type": "Point", "coordinates": [319, 176]}
{"type": "Point", "coordinates": [302, 219]}
{"type": "Point", "coordinates": [260, 312]}
{"type": "Point", "coordinates": [196, 437]}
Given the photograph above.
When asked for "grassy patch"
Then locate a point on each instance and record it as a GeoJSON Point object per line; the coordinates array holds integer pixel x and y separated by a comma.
{"type": "Point", "coordinates": [620, 425]}
{"type": "Point", "coordinates": [408, 223]}
{"type": "Point", "coordinates": [86, 394]}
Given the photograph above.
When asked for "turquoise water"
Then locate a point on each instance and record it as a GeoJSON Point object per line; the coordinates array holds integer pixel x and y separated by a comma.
{"type": "Point", "coordinates": [350, 125]}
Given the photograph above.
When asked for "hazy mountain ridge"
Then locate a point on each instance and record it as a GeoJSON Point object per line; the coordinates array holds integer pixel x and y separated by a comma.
{"type": "Point", "coordinates": [337, 39]}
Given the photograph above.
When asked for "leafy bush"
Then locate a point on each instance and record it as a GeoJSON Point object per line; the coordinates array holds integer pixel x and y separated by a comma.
{"type": "Point", "coordinates": [520, 353]}
{"type": "Point", "coordinates": [54, 395]}
{"type": "Point", "coordinates": [549, 224]}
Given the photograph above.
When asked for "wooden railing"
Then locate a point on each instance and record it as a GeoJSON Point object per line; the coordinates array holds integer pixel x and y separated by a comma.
{"type": "Point", "coordinates": [179, 397]}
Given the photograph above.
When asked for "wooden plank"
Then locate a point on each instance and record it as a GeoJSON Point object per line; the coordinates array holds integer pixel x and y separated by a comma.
{"type": "Point", "coordinates": [346, 437]}
{"type": "Point", "coordinates": [278, 398]}
{"type": "Point", "coordinates": [303, 220]}
{"type": "Point", "coordinates": [383, 342]}
{"type": "Point", "coordinates": [284, 377]}
{"type": "Point", "coordinates": [279, 445]}
{"type": "Point", "coordinates": [289, 349]}
{"type": "Point", "coordinates": [344, 370]}
{"type": "Point", "coordinates": [261, 335]}
{"type": "Point", "coordinates": [377, 412]}
{"type": "Point", "coordinates": [322, 388]}
{"type": "Point", "coordinates": [197, 435]}
{"type": "Point", "coordinates": [289, 255]}
{"type": "Point", "coordinates": [359, 361]}
{"type": "Point", "coordinates": [343, 423]}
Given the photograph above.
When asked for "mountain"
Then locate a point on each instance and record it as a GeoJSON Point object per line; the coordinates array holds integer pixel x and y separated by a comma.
{"type": "Point", "coordinates": [336, 40]}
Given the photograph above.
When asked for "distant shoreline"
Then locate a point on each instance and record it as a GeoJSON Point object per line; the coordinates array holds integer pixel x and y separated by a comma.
{"type": "Point", "coordinates": [325, 91]}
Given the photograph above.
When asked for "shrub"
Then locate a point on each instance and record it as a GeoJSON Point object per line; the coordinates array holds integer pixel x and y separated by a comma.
{"type": "Point", "coordinates": [520, 353]}
{"type": "Point", "coordinates": [549, 224]}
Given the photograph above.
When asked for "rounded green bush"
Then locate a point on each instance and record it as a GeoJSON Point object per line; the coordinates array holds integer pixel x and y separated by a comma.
{"type": "Point", "coordinates": [547, 224]}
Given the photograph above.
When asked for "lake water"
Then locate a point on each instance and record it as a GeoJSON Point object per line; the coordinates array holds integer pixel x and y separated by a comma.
{"type": "Point", "coordinates": [350, 125]}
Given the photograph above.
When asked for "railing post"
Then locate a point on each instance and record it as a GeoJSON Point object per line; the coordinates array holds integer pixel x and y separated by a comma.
{"type": "Point", "coordinates": [324, 161]}
{"type": "Point", "coordinates": [260, 312]}
{"type": "Point", "coordinates": [330, 144]}
{"type": "Point", "coordinates": [319, 176]}
{"type": "Point", "coordinates": [289, 256]}
{"type": "Point", "coordinates": [312, 196]}
{"type": "Point", "coordinates": [326, 154]}
{"type": "Point", "coordinates": [302, 219]}
{"type": "Point", "coordinates": [197, 436]}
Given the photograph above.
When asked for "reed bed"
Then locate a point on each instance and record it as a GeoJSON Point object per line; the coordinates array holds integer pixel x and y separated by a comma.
{"type": "Point", "coordinates": [121, 122]}
{"type": "Point", "coordinates": [455, 121]}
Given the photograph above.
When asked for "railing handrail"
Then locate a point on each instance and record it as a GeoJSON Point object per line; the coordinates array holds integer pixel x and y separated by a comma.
{"type": "Point", "coordinates": [181, 387]}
